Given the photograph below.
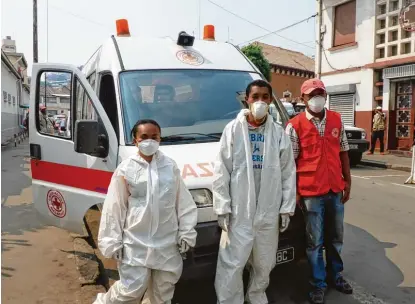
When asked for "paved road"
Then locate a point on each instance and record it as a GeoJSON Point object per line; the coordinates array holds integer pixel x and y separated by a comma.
{"type": "Point", "coordinates": [37, 265]}
{"type": "Point", "coordinates": [379, 247]}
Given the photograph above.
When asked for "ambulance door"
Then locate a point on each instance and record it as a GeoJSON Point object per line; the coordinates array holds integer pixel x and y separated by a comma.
{"type": "Point", "coordinates": [71, 171]}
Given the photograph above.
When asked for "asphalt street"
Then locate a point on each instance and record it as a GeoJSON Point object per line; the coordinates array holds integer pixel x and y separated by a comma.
{"type": "Point", "coordinates": [378, 252]}
{"type": "Point", "coordinates": [37, 264]}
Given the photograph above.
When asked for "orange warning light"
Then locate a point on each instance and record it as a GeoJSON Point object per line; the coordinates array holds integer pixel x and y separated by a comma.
{"type": "Point", "coordinates": [209, 32]}
{"type": "Point", "coordinates": [122, 27]}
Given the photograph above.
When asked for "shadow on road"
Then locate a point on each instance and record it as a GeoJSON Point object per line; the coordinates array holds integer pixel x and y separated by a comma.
{"type": "Point", "coordinates": [366, 263]}
{"type": "Point", "coordinates": [5, 271]}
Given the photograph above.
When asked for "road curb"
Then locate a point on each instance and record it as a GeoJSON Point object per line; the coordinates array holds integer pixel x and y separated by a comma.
{"type": "Point", "coordinates": [86, 261]}
{"type": "Point", "coordinates": [383, 165]}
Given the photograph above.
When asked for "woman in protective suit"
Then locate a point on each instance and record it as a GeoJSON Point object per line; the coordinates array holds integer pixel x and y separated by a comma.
{"type": "Point", "coordinates": [147, 221]}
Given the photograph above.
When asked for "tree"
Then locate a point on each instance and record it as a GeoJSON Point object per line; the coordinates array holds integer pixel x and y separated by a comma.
{"type": "Point", "coordinates": [254, 53]}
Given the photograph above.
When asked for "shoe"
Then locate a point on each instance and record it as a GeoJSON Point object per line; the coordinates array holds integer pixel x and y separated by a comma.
{"type": "Point", "coordinates": [382, 153]}
{"type": "Point", "coordinates": [369, 153]}
{"type": "Point", "coordinates": [343, 286]}
{"type": "Point", "coordinates": [316, 296]}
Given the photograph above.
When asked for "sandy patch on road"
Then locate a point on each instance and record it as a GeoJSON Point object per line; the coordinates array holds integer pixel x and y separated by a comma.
{"type": "Point", "coordinates": [38, 267]}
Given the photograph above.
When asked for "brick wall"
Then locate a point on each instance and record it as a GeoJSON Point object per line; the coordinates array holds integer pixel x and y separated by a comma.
{"type": "Point", "coordinates": [284, 82]}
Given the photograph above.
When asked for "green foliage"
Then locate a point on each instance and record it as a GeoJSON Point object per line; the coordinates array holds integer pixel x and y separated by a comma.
{"type": "Point", "coordinates": [254, 53]}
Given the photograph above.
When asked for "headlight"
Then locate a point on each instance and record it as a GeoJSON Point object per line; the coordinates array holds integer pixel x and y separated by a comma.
{"type": "Point", "coordinates": [202, 197]}
{"type": "Point", "coordinates": [363, 135]}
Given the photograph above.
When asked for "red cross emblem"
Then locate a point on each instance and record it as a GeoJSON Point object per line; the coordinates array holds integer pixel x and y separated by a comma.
{"type": "Point", "coordinates": [56, 203]}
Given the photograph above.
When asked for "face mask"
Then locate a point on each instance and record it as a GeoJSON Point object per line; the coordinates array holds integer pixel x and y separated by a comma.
{"type": "Point", "coordinates": [148, 147]}
{"type": "Point", "coordinates": [316, 104]}
{"type": "Point", "coordinates": [259, 109]}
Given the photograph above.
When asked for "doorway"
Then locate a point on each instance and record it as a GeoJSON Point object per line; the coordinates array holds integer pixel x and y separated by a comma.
{"type": "Point", "coordinates": [405, 114]}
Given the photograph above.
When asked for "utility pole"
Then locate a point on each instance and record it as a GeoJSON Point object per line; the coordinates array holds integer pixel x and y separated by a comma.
{"type": "Point", "coordinates": [47, 31]}
{"type": "Point", "coordinates": [319, 37]}
{"type": "Point", "coordinates": [35, 48]}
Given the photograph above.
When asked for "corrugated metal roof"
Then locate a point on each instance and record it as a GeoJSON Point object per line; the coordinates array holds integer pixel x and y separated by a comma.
{"type": "Point", "coordinates": [286, 58]}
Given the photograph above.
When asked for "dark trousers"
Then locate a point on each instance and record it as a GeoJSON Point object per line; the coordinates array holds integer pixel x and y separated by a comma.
{"type": "Point", "coordinates": [375, 136]}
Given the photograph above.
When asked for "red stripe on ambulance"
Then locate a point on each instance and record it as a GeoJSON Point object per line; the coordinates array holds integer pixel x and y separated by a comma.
{"type": "Point", "coordinates": [71, 176]}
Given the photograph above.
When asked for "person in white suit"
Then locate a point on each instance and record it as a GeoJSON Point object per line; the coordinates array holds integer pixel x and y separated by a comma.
{"type": "Point", "coordinates": [254, 186]}
{"type": "Point", "coordinates": [147, 221]}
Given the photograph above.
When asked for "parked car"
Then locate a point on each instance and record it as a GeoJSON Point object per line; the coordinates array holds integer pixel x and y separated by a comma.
{"type": "Point", "coordinates": [356, 137]}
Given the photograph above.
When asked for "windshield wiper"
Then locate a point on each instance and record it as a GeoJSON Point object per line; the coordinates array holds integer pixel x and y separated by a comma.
{"type": "Point", "coordinates": [187, 136]}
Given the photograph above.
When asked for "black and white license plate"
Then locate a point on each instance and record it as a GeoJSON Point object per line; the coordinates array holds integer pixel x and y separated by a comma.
{"type": "Point", "coordinates": [285, 255]}
{"type": "Point", "coordinates": [354, 147]}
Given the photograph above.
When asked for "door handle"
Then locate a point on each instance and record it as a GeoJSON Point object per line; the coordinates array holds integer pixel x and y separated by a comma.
{"type": "Point", "coordinates": [35, 151]}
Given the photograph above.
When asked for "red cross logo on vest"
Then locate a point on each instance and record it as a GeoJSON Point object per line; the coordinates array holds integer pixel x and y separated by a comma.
{"type": "Point", "coordinates": [56, 203]}
{"type": "Point", "coordinates": [335, 132]}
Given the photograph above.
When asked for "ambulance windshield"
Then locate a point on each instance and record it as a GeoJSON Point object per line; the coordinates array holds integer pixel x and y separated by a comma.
{"type": "Point", "coordinates": [183, 101]}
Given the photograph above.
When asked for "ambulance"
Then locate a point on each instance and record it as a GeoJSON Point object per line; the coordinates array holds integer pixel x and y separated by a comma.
{"type": "Point", "coordinates": [191, 87]}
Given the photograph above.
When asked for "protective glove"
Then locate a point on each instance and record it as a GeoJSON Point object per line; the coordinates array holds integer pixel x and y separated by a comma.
{"type": "Point", "coordinates": [183, 247]}
{"type": "Point", "coordinates": [285, 221]}
{"type": "Point", "coordinates": [223, 222]}
{"type": "Point", "coordinates": [118, 255]}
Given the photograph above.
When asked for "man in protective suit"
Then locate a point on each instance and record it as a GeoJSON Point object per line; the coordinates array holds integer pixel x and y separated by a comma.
{"type": "Point", "coordinates": [255, 182]}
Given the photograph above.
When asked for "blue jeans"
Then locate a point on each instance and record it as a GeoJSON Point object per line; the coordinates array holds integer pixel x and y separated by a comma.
{"type": "Point", "coordinates": [324, 226]}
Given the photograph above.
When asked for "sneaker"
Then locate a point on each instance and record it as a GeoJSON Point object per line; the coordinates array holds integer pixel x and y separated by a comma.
{"type": "Point", "coordinates": [382, 153]}
{"type": "Point", "coordinates": [369, 153]}
{"type": "Point", "coordinates": [316, 296]}
{"type": "Point", "coordinates": [343, 286]}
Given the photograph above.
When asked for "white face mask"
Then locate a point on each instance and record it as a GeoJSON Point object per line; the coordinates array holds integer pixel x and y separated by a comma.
{"type": "Point", "coordinates": [259, 109]}
{"type": "Point", "coordinates": [148, 147]}
{"type": "Point", "coordinates": [316, 104]}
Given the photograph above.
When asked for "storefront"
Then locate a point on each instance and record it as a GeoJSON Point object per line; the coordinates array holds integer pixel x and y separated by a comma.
{"type": "Point", "coordinates": [401, 83]}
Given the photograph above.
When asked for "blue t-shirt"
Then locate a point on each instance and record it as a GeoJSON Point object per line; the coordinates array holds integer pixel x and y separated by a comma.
{"type": "Point", "coordinates": [257, 139]}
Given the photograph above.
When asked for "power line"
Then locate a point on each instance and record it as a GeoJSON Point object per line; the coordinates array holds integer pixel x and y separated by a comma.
{"type": "Point", "coordinates": [79, 16]}
{"type": "Point", "coordinates": [257, 25]}
{"type": "Point", "coordinates": [282, 29]}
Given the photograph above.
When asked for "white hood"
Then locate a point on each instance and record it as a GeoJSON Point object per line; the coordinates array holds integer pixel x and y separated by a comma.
{"type": "Point", "coordinates": [194, 160]}
{"type": "Point", "coordinates": [350, 128]}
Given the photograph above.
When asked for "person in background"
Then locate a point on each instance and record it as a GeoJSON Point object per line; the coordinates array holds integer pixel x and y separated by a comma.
{"type": "Point", "coordinates": [164, 93]}
{"type": "Point", "coordinates": [46, 124]}
{"type": "Point", "coordinates": [320, 148]}
{"type": "Point", "coordinates": [378, 131]}
{"type": "Point", "coordinates": [253, 196]}
{"type": "Point", "coordinates": [147, 222]}
{"type": "Point", "coordinates": [26, 122]}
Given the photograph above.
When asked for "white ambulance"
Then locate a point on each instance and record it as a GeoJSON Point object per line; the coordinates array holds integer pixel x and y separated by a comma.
{"type": "Point", "coordinates": [192, 88]}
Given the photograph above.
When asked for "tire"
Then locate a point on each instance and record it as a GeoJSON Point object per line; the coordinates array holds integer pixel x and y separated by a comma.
{"type": "Point", "coordinates": [355, 159]}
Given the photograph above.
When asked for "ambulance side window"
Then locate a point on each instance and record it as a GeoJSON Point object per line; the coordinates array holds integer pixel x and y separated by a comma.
{"type": "Point", "coordinates": [84, 107]}
{"type": "Point", "coordinates": [53, 101]}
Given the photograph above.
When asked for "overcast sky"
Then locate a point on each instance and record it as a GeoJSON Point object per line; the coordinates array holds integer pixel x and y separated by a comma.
{"type": "Point", "coordinates": [77, 28]}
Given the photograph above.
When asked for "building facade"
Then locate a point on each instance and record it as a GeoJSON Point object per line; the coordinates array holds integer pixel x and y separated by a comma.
{"type": "Point", "coordinates": [368, 60]}
{"type": "Point", "coordinates": [14, 94]}
{"type": "Point", "coordinates": [289, 69]}
{"type": "Point", "coordinates": [15, 90]}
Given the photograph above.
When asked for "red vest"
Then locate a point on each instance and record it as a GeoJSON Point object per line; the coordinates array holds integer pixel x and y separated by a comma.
{"type": "Point", "coordinates": [319, 168]}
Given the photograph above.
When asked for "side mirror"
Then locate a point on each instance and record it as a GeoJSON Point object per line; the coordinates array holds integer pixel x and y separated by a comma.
{"type": "Point", "coordinates": [89, 139]}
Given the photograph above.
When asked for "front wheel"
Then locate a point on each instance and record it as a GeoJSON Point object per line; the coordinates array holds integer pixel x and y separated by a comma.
{"type": "Point", "coordinates": [355, 159]}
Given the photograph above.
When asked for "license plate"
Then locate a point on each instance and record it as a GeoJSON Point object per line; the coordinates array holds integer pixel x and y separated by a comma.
{"type": "Point", "coordinates": [354, 147]}
{"type": "Point", "coordinates": [285, 255]}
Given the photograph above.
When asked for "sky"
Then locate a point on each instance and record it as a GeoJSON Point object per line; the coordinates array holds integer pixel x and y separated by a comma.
{"type": "Point", "coordinates": [69, 31]}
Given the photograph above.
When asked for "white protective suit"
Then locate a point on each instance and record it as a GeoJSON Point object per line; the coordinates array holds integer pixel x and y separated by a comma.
{"type": "Point", "coordinates": [148, 211]}
{"type": "Point", "coordinates": [254, 222]}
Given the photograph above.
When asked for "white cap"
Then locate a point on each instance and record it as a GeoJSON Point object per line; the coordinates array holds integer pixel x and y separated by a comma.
{"type": "Point", "coordinates": [378, 108]}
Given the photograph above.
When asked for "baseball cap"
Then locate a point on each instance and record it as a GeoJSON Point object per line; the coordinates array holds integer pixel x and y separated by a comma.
{"type": "Point", "coordinates": [311, 84]}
